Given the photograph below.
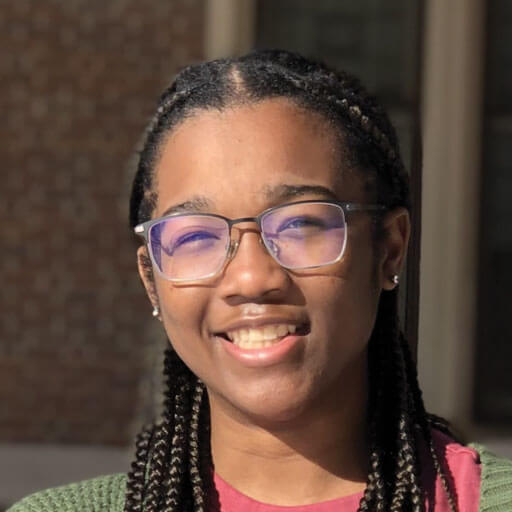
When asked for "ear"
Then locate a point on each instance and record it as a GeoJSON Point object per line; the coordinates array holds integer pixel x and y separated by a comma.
{"type": "Point", "coordinates": [393, 246]}
{"type": "Point", "coordinates": [146, 274]}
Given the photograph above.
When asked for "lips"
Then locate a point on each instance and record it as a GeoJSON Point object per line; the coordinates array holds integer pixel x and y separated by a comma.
{"type": "Point", "coordinates": [261, 329]}
{"type": "Point", "coordinates": [258, 337]}
{"type": "Point", "coordinates": [262, 341]}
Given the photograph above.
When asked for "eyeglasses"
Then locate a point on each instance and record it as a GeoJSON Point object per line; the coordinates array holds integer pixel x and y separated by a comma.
{"type": "Point", "coordinates": [301, 235]}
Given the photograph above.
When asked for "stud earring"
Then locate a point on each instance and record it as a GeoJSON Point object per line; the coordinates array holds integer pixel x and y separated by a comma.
{"type": "Point", "coordinates": [395, 279]}
{"type": "Point", "coordinates": [156, 311]}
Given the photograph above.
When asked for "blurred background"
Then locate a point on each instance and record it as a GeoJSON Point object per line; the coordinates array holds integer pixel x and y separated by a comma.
{"type": "Point", "coordinates": [79, 350]}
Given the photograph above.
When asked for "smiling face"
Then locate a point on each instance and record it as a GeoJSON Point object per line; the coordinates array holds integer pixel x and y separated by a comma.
{"type": "Point", "coordinates": [237, 163]}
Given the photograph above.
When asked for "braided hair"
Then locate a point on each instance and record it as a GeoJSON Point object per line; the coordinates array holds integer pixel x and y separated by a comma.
{"type": "Point", "coordinates": [173, 470]}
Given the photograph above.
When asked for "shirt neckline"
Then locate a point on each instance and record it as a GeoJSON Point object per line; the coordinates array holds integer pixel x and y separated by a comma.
{"type": "Point", "coordinates": [227, 493]}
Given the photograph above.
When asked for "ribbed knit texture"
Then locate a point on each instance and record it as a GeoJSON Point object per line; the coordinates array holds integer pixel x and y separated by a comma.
{"type": "Point", "coordinates": [496, 486]}
{"type": "Point", "coordinates": [106, 493]}
{"type": "Point", "coordinates": [100, 494]}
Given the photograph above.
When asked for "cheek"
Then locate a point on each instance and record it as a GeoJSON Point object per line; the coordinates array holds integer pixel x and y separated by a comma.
{"type": "Point", "coordinates": [343, 308]}
{"type": "Point", "coordinates": [183, 310]}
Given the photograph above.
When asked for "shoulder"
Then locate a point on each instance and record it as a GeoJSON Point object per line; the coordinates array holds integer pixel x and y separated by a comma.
{"type": "Point", "coordinates": [474, 466]}
{"type": "Point", "coordinates": [496, 487]}
{"type": "Point", "coordinates": [456, 454]}
{"type": "Point", "coordinates": [100, 494]}
{"type": "Point", "coordinates": [462, 469]}
{"type": "Point", "coordinates": [479, 475]}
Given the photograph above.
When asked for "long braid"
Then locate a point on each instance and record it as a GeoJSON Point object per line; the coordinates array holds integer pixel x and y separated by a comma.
{"type": "Point", "coordinates": [375, 496]}
{"type": "Point", "coordinates": [206, 466]}
{"type": "Point", "coordinates": [136, 477]}
{"type": "Point", "coordinates": [195, 471]}
{"type": "Point", "coordinates": [173, 469]}
{"type": "Point", "coordinates": [178, 460]}
{"type": "Point", "coordinates": [406, 493]}
{"type": "Point", "coordinates": [144, 482]}
{"type": "Point", "coordinates": [393, 451]}
{"type": "Point", "coordinates": [407, 489]}
{"type": "Point", "coordinates": [161, 456]}
{"type": "Point", "coordinates": [426, 422]}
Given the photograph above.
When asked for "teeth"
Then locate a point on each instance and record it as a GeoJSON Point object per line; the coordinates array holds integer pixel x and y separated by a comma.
{"type": "Point", "coordinates": [260, 337]}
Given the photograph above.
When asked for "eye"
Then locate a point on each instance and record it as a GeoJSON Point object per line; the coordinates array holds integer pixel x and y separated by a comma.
{"type": "Point", "coordinates": [191, 241]}
{"type": "Point", "coordinates": [301, 223]}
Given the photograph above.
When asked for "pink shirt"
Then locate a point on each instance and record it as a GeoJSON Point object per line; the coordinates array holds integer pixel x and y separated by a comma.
{"type": "Point", "coordinates": [465, 473]}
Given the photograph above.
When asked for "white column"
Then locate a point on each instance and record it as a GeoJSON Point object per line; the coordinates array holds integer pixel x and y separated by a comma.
{"type": "Point", "coordinates": [451, 105]}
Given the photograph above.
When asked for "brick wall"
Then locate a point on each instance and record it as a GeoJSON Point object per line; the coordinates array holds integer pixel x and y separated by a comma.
{"type": "Point", "coordinates": [78, 81]}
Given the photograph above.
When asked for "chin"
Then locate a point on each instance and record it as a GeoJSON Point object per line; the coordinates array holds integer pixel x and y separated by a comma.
{"type": "Point", "coordinates": [272, 415]}
{"type": "Point", "coordinates": [276, 405]}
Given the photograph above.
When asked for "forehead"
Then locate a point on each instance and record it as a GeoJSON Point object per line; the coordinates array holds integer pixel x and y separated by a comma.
{"type": "Point", "coordinates": [235, 156]}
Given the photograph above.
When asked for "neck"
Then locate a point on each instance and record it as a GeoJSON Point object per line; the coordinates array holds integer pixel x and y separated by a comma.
{"type": "Point", "coordinates": [324, 449]}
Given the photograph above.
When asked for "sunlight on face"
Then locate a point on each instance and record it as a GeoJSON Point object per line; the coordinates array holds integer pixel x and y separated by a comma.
{"type": "Point", "coordinates": [242, 161]}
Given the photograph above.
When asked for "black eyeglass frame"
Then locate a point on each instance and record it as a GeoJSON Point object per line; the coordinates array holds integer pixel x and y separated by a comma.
{"type": "Point", "coordinates": [143, 230]}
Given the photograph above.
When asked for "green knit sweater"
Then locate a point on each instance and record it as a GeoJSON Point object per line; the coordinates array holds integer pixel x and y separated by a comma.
{"type": "Point", "coordinates": [106, 493]}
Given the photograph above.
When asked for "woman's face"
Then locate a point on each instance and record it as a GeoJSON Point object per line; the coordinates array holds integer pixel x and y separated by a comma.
{"type": "Point", "coordinates": [236, 163]}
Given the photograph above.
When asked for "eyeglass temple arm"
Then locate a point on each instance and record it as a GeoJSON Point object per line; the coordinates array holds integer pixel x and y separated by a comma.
{"type": "Point", "coordinates": [358, 207]}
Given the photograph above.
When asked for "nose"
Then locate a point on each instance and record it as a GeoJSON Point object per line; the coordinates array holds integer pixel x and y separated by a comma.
{"type": "Point", "coordinates": [252, 273]}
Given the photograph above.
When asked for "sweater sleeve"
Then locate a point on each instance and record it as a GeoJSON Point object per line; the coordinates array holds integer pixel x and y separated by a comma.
{"type": "Point", "coordinates": [496, 485]}
{"type": "Point", "coordinates": [101, 494]}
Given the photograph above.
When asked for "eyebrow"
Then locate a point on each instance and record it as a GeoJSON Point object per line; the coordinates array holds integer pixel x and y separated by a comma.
{"type": "Point", "coordinates": [195, 204]}
{"type": "Point", "coordinates": [283, 192]}
{"type": "Point", "coordinates": [286, 192]}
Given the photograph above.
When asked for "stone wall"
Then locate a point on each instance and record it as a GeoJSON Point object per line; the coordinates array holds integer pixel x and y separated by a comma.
{"type": "Point", "coordinates": [78, 82]}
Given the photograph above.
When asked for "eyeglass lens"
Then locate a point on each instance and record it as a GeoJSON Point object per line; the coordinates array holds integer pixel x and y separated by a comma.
{"type": "Point", "coordinates": [298, 236]}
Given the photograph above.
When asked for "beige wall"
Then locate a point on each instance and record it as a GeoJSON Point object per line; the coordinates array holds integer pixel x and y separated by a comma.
{"type": "Point", "coordinates": [452, 101]}
{"type": "Point", "coordinates": [229, 27]}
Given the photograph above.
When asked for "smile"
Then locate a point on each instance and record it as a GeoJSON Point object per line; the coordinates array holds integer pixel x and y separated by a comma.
{"type": "Point", "coordinates": [265, 336]}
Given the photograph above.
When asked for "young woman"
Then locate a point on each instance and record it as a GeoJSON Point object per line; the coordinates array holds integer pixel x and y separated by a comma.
{"type": "Point", "coordinates": [274, 207]}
